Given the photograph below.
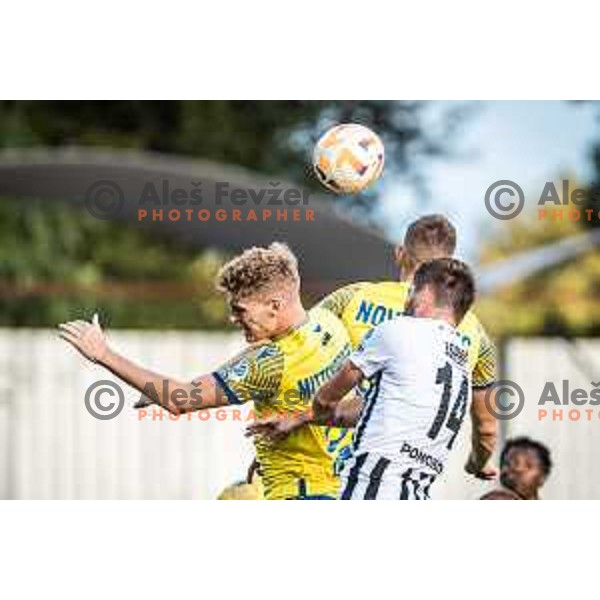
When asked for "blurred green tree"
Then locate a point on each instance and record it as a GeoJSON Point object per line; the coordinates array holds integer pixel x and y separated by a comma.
{"type": "Point", "coordinates": [563, 300]}
{"type": "Point", "coordinates": [56, 263]}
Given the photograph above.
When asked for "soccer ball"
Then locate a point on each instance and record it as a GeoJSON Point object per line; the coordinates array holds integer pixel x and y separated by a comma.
{"type": "Point", "coordinates": [348, 158]}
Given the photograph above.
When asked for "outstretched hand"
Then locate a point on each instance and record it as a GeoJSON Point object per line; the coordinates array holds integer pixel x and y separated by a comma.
{"type": "Point", "coordinates": [275, 428]}
{"type": "Point", "coordinates": [487, 472]}
{"type": "Point", "coordinates": [87, 338]}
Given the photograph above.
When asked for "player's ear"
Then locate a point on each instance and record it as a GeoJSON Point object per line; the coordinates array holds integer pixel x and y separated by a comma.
{"type": "Point", "coordinates": [399, 254]}
{"type": "Point", "coordinates": [276, 303]}
{"type": "Point", "coordinates": [422, 302]}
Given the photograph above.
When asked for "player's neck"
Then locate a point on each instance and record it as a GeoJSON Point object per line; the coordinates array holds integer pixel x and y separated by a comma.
{"type": "Point", "coordinates": [406, 276]}
{"type": "Point", "coordinates": [295, 317]}
{"type": "Point", "coordinates": [442, 314]}
{"type": "Point", "coordinates": [533, 496]}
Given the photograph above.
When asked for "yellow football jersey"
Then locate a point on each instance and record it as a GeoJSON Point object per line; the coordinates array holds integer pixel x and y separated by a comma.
{"type": "Point", "coordinates": [281, 376]}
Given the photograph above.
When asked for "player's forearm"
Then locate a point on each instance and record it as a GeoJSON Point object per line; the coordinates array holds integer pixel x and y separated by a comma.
{"type": "Point", "coordinates": [157, 387]}
{"type": "Point", "coordinates": [482, 447]}
{"type": "Point", "coordinates": [342, 414]}
{"type": "Point", "coordinates": [484, 428]}
{"type": "Point", "coordinates": [326, 402]}
{"type": "Point", "coordinates": [326, 406]}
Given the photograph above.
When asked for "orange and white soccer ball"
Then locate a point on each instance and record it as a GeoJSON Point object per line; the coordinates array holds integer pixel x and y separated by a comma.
{"type": "Point", "coordinates": [348, 158]}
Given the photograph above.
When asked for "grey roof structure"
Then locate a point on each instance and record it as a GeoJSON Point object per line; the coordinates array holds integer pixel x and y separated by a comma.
{"type": "Point", "coordinates": [332, 249]}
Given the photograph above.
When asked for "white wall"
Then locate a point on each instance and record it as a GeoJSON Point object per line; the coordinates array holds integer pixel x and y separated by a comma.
{"type": "Point", "coordinates": [51, 447]}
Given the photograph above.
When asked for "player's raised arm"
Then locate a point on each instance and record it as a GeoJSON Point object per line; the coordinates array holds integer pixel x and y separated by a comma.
{"type": "Point", "coordinates": [484, 435]}
{"type": "Point", "coordinates": [484, 423]}
{"type": "Point", "coordinates": [174, 395]}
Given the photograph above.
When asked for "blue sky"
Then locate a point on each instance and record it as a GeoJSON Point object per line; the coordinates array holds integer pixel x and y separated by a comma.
{"type": "Point", "coordinates": [527, 142]}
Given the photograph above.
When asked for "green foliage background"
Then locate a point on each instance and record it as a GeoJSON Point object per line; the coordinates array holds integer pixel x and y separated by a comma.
{"type": "Point", "coordinates": [563, 300]}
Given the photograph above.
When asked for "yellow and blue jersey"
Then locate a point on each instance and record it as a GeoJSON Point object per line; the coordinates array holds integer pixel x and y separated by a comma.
{"type": "Point", "coordinates": [281, 376]}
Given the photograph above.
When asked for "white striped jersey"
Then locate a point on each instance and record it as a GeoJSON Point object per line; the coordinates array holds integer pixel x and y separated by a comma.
{"type": "Point", "coordinates": [418, 394]}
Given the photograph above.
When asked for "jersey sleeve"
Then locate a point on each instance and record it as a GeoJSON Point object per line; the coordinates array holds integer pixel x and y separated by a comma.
{"type": "Point", "coordinates": [254, 374]}
{"type": "Point", "coordinates": [485, 370]}
{"type": "Point", "coordinates": [373, 353]}
{"type": "Point", "coordinates": [339, 299]}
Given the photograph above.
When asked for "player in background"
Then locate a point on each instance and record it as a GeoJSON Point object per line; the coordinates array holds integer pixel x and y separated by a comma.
{"type": "Point", "coordinates": [418, 394]}
{"type": "Point", "coordinates": [292, 352]}
{"type": "Point", "coordinates": [525, 465]}
{"type": "Point", "coordinates": [362, 306]}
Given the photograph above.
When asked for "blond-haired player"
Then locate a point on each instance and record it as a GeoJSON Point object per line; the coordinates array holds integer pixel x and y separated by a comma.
{"type": "Point", "coordinates": [291, 353]}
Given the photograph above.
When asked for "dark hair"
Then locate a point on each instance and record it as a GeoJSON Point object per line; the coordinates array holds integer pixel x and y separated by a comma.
{"type": "Point", "coordinates": [452, 283]}
{"type": "Point", "coordinates": [526, 443]}
{"type": "Point", "coordinates": [431, 236]}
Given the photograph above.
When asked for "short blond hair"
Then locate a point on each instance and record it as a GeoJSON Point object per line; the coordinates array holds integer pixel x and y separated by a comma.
{"type": "Point", "coordinates": [258, 269]}
{"type": "Point", "coordinates": [430, 237]}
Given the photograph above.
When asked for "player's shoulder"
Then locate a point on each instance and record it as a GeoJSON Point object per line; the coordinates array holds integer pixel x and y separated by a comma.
{"type": "Point", "coordinates": [401, 326]}
{"type": "Point", "coordinates": [355, 286]}
{"type": "Point", "coordinates": [265, 350]}
{"type": "Point", "coordinates": [404, 332]}
{"type": "Point", "coordinates": [391, 284]}
{"type": "Point", "coordinates": [500, 494]}
{"type": "Point", "coordinates": [405, 321]}
{"type": "Point", "coordinates": [419, 332]}
{"type": "Point", "coordinates": [471, 319]}
{"type": "Point", "coordinates": [258, 356]}
{"type": "Point", "coordinates": [321, 315]}
{"type": "Point", "coordinates": [338, 300]}
{"type": "Point", "coordinates": [388, 287]}
{"type": "Point", "coordinates": [382, 292]}
{"type": "Point", "coordinates": [351, 288]}
{"type": "Point", "coordinates": [471, 324]}
{"type": "Point", "coordinates": [253, 374]}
